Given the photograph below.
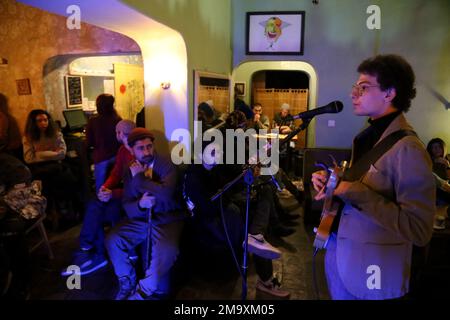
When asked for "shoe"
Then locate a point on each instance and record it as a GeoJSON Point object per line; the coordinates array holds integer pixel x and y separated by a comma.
{"type": "Point", "coordinates": [87, 263]}
{"type": "Point", "coordinates": [281, 231]}
{"type": "Point", "coordinates": [259, 246]}
{"type": "Point", "coordinates": [127, 288]}
{"type": "Point", "coordinates": [140, 295]}
{"type": "Point", "coordinates": [439, 223]}
{"type": "Point", "coordinates": [272, 287]}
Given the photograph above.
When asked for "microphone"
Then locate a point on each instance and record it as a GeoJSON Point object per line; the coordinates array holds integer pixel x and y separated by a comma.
{"type": "Point", "coordinates": [332, 107]}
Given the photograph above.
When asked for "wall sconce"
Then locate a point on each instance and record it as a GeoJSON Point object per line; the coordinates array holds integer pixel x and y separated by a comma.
{"type": "Point", "coordinates": [165, 85]}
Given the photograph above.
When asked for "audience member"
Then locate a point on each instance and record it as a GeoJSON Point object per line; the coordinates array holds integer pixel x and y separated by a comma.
{"type": "Point", "coordinates": [44, 149]}
{"type": "Point", "coordinates": [107, 208]}
{"type": "Point", "coordinates": [149, 188]}
{"type": "Point", "coordinates": [207, 115]}
{"type": "Point", "coordinates": [100, 132]}
{"type": "Point", "coordinates": [15, 264]}
{"type": "Point", "coordinates": [10, 138]}
{"type": "Point", "coordinates": [283, 120]}
{"type": "Point", "coordinates": [259, 120]}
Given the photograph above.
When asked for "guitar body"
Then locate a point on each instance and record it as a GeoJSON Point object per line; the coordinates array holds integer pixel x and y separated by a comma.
{"type": "Point", "coordinates": [324, 230]}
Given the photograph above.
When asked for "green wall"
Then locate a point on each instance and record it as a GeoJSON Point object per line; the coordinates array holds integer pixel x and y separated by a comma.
{"type": "Point", "coordinates": [337, 40]}
{"type": "Point", "coordinates": [206, 29]}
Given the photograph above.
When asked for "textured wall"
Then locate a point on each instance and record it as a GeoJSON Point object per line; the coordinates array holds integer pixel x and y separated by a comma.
{"type": "Point", "coordinates": [29, 37]}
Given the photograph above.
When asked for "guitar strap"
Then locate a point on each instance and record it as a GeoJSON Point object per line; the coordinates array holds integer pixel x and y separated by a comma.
{"type": "Point", "coordinates": [360, 167]}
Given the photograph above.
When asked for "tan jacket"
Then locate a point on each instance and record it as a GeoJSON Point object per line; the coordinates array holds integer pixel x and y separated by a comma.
{"type": "Point", "coordinates": [386, 212]}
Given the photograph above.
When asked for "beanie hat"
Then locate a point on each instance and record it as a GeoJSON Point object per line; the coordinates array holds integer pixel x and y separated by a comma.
{"type": "Point", "coordinates": [139, 134]}
{"type": "Point", "coordinates": [207, 109]}
{"type": "Point", "coordinates": [126, 126]}
{"type": "Point", "coordinates": [284, 106]}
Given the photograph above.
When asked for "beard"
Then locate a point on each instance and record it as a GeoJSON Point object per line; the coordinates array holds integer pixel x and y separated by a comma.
{"type": "Point", "coordinates": [147, 159]}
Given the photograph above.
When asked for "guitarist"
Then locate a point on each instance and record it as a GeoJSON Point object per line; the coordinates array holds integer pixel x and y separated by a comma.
{"type": "Point", "coordinates": [390, 207]}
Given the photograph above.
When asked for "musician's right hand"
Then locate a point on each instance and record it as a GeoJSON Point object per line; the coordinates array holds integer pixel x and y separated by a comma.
{"type": "Point", "coordinates": [147, 201]}
{"type": "Point", "coordinates": [319, 180]}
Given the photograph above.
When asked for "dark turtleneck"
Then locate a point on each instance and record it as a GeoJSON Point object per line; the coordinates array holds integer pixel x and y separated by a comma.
{"type": "Point", "coordinates": [366, 140]}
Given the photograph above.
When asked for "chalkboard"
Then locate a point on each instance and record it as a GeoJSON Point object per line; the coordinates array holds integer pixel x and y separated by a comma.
{"type": "Point", "coordinates": [74, 91]}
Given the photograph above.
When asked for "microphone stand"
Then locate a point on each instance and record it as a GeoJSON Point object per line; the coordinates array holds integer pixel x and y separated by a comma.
{"type": "Point", "coordinates": [247, 174]}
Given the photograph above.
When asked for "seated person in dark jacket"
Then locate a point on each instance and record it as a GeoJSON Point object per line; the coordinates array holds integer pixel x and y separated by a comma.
{"type": "Point", "coordinates": [149, 185]}
{"type": "Point", "coordinates": [207, 115]}
{"type": "Point", "coordinates": [200, 184]}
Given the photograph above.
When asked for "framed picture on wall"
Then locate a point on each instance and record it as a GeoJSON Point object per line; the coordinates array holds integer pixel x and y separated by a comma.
{"type": "Point", "coordinates": [275, 33]}
{"type": "Point", "coordinates": [239, 88]}
{"type": "Point", "coordinates": [23, 87]}
{"type": "Point", "coordinates": [74, 91]}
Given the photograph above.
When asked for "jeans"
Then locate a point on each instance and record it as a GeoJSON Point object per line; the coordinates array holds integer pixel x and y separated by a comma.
{"type": "Point", "coordinates": [164, 241]}
{"type": "Point", "coordinates": [101, 171]}
{"type": "Point", "coordinates": [97, 213]}
{"type": "Point", "coordinates": [261, 213]}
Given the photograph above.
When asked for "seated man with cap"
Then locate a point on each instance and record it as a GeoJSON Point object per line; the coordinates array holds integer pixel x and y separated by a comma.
{"type": "Point", "coordinates": [106, 208]}
{"type": "Point", "coordinates": [149, 188]}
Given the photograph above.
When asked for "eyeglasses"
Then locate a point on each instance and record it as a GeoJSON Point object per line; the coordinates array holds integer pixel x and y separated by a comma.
{"type": "Point", "coordinates": [358, 90]}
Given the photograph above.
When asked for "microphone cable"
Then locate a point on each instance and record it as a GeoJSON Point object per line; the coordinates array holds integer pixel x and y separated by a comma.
{"type": "Point", "coordinates": [225, 228]}
{"type": "Point", "coordinates": [316, 288]}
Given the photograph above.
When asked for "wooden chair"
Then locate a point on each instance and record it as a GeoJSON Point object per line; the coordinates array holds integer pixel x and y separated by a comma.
{"type": "Point", "coordinates": [39, 224]}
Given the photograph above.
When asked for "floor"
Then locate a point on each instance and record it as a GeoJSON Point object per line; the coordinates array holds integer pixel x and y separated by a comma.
{"type": "Point", "coordinates": [199, 280]}
{"type": "Point", "coordinates": [216, 277]}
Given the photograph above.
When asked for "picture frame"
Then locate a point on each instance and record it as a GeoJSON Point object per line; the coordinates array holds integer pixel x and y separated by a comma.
{"type": "Point", "coordinates": [240, 88]}
{"type": "Point", "coordinates": [275, 33]}
{"type": "Point", "coordinates": [74, 91]}
{"type": "Point", "coordinates": [23, 87]}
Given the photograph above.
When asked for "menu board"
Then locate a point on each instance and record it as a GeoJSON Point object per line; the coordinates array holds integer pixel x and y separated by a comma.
{"type": "Point", "coordinates": [74, 91]}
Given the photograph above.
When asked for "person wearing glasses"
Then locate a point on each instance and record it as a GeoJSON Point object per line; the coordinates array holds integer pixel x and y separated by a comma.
{"type": "Point", "coordinates": [391, 207]}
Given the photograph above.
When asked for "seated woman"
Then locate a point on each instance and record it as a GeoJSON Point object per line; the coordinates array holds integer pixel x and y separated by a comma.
{"type": "Point", "coordinates": [441, 170]}
{"type": "Point", "coordinates": [44, 149]}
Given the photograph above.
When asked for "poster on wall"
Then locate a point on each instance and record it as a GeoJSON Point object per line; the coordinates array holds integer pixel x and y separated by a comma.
{"type": "Point", "coordinates": [74, 91]}
{"type": "Point", "coordinates": [275, 33]}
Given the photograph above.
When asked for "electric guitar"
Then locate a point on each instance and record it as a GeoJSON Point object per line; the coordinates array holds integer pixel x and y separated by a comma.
{"type": "Point", "coordinates": [330, 207]}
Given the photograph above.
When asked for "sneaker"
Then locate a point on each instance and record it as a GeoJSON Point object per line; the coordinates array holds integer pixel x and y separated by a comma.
{"type": "Point", "coordinates": [87, 262]}
{"type": "Point", "coordinates": [259, 246]}
{"type": "Point", "coordinates": [439, 223]}
{"type": "Point", "coordinates": [273, 288]}
{"type": "Point", "coordinates": [127, 287]}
